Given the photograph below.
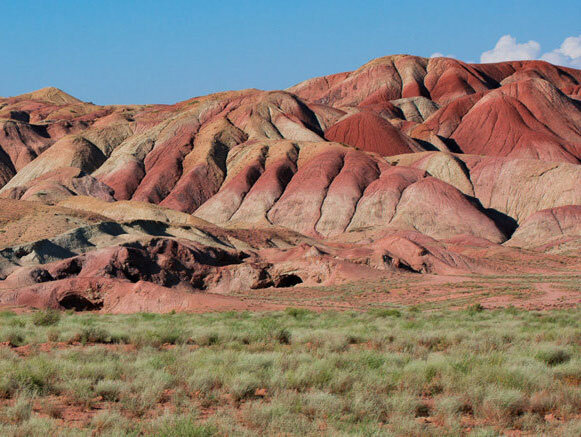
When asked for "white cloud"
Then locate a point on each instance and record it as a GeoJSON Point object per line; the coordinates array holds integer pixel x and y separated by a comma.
{"type": "Point", "coordinates": [508, 49]}
{"type": "Point", "coordinates": [569, 54]}
{"type": "Point", "coordinates": [555, 57]}
{"type": "Point", "coordinates": [572, 47]}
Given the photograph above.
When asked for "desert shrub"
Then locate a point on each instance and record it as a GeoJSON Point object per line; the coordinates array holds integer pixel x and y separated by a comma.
{"type": "Point", "coordinates": [283, 416]}
{"type": "Point", "coordinates": [53, 335]}
{"type": "Point", "coordinates": [542, 402]}
{"type": "Point", "coordinates": [159, 336]}
{"type": "Point", "coordinates": [46, 318]}
{"type": "Point", "coordinates": [15, 337]}
{"type": "Point", "coordinates": [16, 323]}
{"type": "Point", "coordinates": [8, 386]}
{"type": "Point", "coordinates": [208, 339]}
{"type": "Point", "coordinates": [170, 335]}
{"type": "Point", "coordinates": [19, 412]}
{"type": "Point", "coordinates": [402, 404]}
{"type": "Point", "coordinates": [475, 308]}
{"type": "Point", "coordinates": [385, 312]}
{"type": "Point", "coordinates": [113, 423]}
{"type": "Point", "coordinates": [97, 334]}
{"type": "Point", "coordinates": [569, 372]}
{"type": "Point", "coordinates": [553, 357]}
{"type": "Point", "coordinates": [333, 342]}
{"type": "Point", "coordinates": [109, 390]}
{"type": "Point", "coordinates": [36, 375]}
{"type": "Point", "coordinates": [452, 406]}
{"type": "Point", "coordinates": [80, 390]}
{"type": "Point", "coordinates": [204, 380]}
{"type": "Point", "coordinates": [244, 386]}
{"type": "Point", "coordinates": [512, 310]}
{"type": "Point", "coordinates": [180, 426]}
{"type": "Point", "coordinates": [434, 342]}
{"type": "Point", "coordinates": [503, 405]}
{"type": "Point", "coordinates": [317, 403]}
{"type": "Point", "coordinates": [283, 336]}
{"type": "Point", "coordinates": [144, 392]}
{"type": "Point", "coordinates": [298, 313]}
{"type": "Point", "coordinates": [363, 407]}
{"type": "Point", "coordinates": [317, 374]}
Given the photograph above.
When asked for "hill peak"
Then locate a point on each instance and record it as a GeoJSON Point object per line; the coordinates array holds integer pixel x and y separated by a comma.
{"type": "Point", "coordinates": [51, 94]}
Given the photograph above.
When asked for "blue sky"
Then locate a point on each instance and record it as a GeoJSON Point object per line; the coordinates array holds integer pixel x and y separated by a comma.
{"type": "Point", "coordinates": [165, 51]}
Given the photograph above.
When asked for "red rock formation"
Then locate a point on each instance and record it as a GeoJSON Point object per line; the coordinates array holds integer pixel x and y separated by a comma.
{"type": "Point", "coordinates": [409, 163]}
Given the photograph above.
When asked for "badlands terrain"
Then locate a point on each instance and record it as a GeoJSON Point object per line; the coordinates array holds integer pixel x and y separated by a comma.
{"type": "Point", "coordinates": [407, 181]}
{"type": "Point", "coordinates": [390, 251]}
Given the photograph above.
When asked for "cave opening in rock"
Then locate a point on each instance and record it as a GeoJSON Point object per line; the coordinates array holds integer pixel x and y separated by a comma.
{"type": "Point", "coordinates": [79, 303]}
{"type": "Point", "coordinates": [288, 281]}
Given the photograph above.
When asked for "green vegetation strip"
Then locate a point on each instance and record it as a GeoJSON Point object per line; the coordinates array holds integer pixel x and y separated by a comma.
{"type": "Point", "coordinates": [382, 372]}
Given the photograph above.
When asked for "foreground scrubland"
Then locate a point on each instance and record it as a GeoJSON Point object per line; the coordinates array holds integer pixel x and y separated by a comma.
{"type": "Point", "coordinates": [395, 371]}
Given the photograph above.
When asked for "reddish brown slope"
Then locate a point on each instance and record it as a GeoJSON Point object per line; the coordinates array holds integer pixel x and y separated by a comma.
{"type": "Point", "coordinates": [371, 133]}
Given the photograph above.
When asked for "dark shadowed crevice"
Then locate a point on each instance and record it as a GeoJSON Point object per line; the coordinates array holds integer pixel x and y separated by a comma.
{"type": "Point", "coordinates": [451, 144]}
{"type": "Point", "coordinates": [398, 264]}
{"type": "Point", "coordinates": [19, 116]}
{"type": "Point", "coordinates": [198, 282]}
{"type": "Point", "coordinates": [5, 159]}
{"type": "Point", "coordinates": [79, 303]}
{"type": "Point", "coordinates": [505, 223]}
{"type": "Point", "coordinates": [489, 82]}
{"type": "Point", "coordinates": [288, 281]}
{"type": "Point", "coordinates": [313, 124]}
{"type": "Point", "coordinates": [426, 145]}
